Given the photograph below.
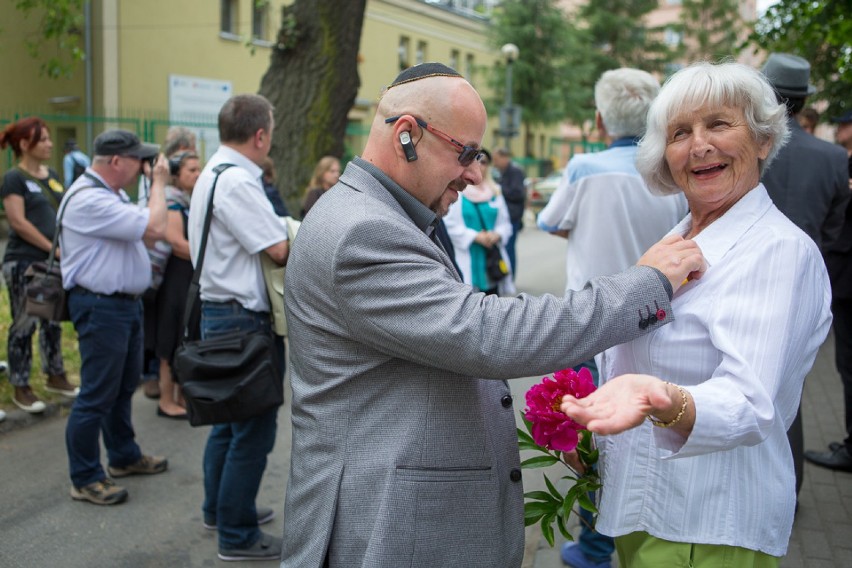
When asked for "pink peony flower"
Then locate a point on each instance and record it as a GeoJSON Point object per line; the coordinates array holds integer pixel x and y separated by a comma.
{"type": "Point", "coordinates": [550, 427]}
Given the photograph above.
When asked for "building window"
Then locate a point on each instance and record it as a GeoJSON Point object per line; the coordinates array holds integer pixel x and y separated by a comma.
{"type": "Point", "coordinates": [468, 67]}
{"type": "Point", "coordinates": [259, 20]}
{"type": "Point", "coordinates": [454, 58]}
{"type": "Point", "coordinates": [404, 52]}
{"type": "Point", "coordinates": [229, 10]}
{"type": "Point", "coordinates": [420, 56]}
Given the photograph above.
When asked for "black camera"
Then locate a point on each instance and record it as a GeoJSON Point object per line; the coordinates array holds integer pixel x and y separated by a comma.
{"type": "Point", "coordinates": [176, 161]}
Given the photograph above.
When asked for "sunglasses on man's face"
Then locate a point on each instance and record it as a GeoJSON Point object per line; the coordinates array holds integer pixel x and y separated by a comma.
{"type": "Point", "coordinates": [467, 154]}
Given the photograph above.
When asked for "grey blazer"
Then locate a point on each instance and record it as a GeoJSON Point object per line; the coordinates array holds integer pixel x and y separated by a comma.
{"type": "Point", "coordinates": [404, 445]}
{"type": "Point", "coordinates": [809, 183]}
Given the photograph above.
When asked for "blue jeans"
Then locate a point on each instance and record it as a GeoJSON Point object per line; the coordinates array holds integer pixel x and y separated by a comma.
{"type": "Point", "coordinates": [235, 456]}
{"type": "Point", "coordinates": [595, 546]}
{"type": "Point", "coordinates": [109, 331]}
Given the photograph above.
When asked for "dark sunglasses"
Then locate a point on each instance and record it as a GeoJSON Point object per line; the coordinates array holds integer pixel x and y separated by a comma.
{"type": "Point", "coordinates": [467, 154]}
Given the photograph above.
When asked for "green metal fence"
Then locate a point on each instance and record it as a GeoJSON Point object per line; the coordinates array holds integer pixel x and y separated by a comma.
{"type": "Point", "coordinates": [153, 129]}
{"type": "Point", "coordinates": [65, 126]}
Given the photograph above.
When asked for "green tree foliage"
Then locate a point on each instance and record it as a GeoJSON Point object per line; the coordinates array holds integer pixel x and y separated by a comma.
{"type": "Point", "coordinates": [619, 36]}
{"type": "Point", "coordinates": [564, 54]}
{"type": "Point", "coordinates": [542, 75]}
{"type": "Point", "coordinates": [61, 24]}
{"type": "Point", "coordinates": [711, 28]}
{"type": "Point", "coordinates": [615, 34]}
{"type": "Point", "coordinates": [821, 32]}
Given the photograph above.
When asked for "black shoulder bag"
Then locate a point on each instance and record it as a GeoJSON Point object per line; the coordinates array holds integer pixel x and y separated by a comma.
{"type": "Point", "coordinates": [495, 266]}
{"type": "Point", "coordinates": [45, 296]}
{"type": "Point", "coordinates": [229, 378]}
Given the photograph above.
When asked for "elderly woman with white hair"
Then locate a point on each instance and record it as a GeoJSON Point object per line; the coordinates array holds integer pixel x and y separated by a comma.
{"type": "Point", "coordinates": [692, 418]}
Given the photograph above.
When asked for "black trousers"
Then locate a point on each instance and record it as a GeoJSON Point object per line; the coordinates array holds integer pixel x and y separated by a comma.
{"type": "Point", "coordinates": [842, 311]}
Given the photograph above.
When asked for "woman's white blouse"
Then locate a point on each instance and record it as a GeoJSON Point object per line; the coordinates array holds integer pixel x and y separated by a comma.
{"type": "Point", "coordinates": [743, 339]}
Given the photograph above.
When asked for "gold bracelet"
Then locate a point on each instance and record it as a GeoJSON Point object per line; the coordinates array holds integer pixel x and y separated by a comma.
{"type": "Point", "coordinates": [680, 414]}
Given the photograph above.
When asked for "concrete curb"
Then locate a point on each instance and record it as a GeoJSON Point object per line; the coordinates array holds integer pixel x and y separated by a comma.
{"type": "Point", "coordinates": [17, 418]}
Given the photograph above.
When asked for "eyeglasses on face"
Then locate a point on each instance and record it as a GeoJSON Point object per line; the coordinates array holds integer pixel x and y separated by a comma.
{"type": "Point", "coordinates": [467, 154]}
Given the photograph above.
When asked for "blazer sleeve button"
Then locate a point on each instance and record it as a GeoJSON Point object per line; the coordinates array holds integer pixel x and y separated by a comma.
{"type": "Point", "coordinates": [661, 314]}
{"type": "Point", "coordinates": [515, 475]}
{"type": "Point", "coordinates": [506, 401]}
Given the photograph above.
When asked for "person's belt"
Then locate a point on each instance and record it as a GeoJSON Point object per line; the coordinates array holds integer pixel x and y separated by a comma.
{"type": "Point", "coordinates": [119, 295]}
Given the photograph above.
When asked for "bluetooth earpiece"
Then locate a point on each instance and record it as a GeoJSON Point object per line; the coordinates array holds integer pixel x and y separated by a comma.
{"type": "Point", "coordinates": [408, 146]}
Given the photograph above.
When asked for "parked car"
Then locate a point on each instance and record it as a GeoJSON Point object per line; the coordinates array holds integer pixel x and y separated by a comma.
{"type": "Point", "coordinates": [539, 190]}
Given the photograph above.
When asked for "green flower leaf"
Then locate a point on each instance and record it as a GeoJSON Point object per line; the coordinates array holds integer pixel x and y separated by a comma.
{"type": "Point", "coordinates": [543, 496]}
{"type": "Point", "coordinates": [539, 461]}
{"type": "Point", "coordinates": [552, 489]}
{"type": "Point", "coordinates": [586, 503]}
{"type": "Point", "coordinates": [547, 529]}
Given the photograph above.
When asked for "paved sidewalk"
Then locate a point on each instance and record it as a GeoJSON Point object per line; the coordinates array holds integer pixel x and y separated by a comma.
{"type": "Point", "coordinates": [822, 532]}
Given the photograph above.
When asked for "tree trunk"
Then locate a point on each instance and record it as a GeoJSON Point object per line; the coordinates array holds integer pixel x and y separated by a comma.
{"type": "Point", "coordinates": [312, 81]}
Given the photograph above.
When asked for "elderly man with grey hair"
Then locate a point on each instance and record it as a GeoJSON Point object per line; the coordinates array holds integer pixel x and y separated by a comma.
{"type": "Point", "coordinates": [605, 211]}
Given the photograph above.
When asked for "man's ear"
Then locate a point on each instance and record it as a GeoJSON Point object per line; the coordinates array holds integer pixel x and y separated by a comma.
{"type": "Point", "coordinates": [259, 136]}
{"type": "Point", "coordinates": [599, 124]}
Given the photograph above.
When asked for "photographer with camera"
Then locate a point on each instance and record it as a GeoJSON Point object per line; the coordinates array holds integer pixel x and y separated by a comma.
{"type": "Point", "coordinates": [178, 139]}
{"type": "Point", "coordinates": [184, 168]}
{"type": "Point", "coordinates": [106, 269]}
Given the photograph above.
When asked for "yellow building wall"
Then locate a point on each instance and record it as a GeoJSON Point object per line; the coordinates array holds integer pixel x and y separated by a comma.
{"type": "Point", "coordinates": [157, 38]}
{"type": "Point", "coordinates": [138, 44]}
{"type": "Point", "coordinates": [22, 87]}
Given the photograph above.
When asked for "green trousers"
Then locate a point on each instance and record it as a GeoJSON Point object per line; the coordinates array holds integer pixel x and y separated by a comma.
{"type": "Point", "coordinates": [641, 550]}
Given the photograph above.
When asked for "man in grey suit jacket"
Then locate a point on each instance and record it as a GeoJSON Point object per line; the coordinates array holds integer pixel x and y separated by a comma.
{"type": "Point", "coordinates": [808, 183]}
{"type": "Point", "coordinates": [404, 444]}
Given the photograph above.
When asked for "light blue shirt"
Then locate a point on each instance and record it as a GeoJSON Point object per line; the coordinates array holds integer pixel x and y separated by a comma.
{"type": "Point", "coordinates": [101, 239]}
{"type": "Point", "coordinates": [68, 165]}
{"type": "Point", "coordinates": [611, 216]}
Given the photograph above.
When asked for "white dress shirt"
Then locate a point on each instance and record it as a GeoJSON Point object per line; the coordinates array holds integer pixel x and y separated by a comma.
{"type": "Point", "coordinates": [244, 224]}
{"type": "Point", "coordinates": [744, 337]}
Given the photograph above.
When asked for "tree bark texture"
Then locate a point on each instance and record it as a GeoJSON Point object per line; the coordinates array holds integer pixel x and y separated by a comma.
{"type": "Point", "coordinates": [312, 81]}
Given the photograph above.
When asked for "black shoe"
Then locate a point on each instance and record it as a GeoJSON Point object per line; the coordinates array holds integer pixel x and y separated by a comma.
{"type": "Point", "coordinates": [267, 547]}
{"type": "Point", "coordinates": [833, 446]}
{"type": "Point", "coordinates": [164, 414]}
{"type": "Point", "coordinates": [838, 459]}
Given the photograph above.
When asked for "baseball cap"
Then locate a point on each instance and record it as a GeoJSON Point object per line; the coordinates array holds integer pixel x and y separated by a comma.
{"type": "Point", "coordinates": [123, 143]}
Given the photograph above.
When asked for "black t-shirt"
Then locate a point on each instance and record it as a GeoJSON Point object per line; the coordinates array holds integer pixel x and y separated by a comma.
{"type": "Point", "coordinates": [39, 209]}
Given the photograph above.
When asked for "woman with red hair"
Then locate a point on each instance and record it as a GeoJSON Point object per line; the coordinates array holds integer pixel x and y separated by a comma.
{"type": "Point", "coordinates": [31, 193]}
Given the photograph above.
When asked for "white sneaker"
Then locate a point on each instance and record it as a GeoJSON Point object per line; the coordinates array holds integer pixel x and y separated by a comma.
{"type": "Point", "coordinates": [4, 366]}
{"type": "Point", "coordinates": [29, 402]}
{"type": "Point", "coordinates": [2, 415]}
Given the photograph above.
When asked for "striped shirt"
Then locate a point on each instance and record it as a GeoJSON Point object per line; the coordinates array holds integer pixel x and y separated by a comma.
{"type": "Point", "coordinates": [744, 337]}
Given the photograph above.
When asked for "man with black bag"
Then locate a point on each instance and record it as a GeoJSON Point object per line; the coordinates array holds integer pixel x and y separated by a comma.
{"type": "Point", "coordinates": [234, 299]}
{"type": "Point", "coordinates": [105, 269]}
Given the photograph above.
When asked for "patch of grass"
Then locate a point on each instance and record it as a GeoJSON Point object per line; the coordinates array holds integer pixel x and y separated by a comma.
{"type": "Point", "coordinates": [70, 354]}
